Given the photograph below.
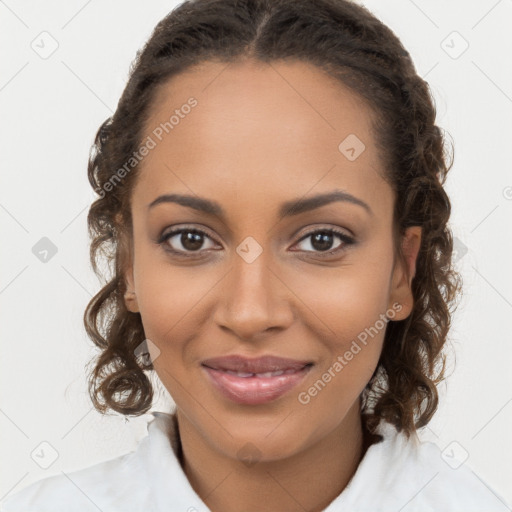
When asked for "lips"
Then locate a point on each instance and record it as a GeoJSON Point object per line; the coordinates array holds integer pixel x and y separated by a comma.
{"type": "Point", "coordinates": [261, 365]}
{"type": "Point", "coordinates": [255, 381]}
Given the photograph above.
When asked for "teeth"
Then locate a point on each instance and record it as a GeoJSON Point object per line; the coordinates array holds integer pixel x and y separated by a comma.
{"type": "Point", "coordinates": [271, 374]}
{"type": "Point", "coordinates": [239, 374]}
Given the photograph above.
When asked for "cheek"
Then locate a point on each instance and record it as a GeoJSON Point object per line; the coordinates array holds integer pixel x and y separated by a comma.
{"type": "Point", "coordinates": [359, 317]}
{"type": "Point", "coordinates": [168, 295]}
{"type": "Point", "coordinates": [346, 299]}
{"type": "Point", "coordinates": [169, 304]}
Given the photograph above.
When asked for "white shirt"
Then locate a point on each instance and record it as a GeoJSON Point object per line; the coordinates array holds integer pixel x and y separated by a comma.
{"type": "Point", "coordinates": [395, 475]}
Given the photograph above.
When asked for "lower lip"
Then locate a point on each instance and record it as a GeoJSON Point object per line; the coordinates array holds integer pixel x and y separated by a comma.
{"type": "Point", "coordinates": [254, 390]}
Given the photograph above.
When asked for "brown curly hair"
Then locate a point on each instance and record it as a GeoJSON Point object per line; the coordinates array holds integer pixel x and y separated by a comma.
{"type": "Point", "coordinates": [348, 42]}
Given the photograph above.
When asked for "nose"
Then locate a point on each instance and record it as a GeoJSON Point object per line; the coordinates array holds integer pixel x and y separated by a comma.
{"type": "Point", "coordinates": [253, 299]}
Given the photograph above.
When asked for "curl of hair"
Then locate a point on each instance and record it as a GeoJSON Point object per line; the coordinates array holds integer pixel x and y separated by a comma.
{"type": "Point", "coordinates": [347, 42]}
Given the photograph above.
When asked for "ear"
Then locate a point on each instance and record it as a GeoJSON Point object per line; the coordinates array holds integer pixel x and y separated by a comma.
{"type": "Point", "coordinates": [130, 298]}
{"type": "Point", "coordinates": [404, 272]}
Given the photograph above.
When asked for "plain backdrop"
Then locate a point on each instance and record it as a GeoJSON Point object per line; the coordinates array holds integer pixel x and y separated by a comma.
{"type": "Point", "coordinates": [51, 106]}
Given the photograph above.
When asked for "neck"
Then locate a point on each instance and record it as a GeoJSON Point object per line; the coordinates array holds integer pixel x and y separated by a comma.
{"type": "Point", "coordinates": [307, 480]}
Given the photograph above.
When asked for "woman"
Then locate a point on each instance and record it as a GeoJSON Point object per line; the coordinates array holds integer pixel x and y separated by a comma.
{"type": "Point", "coordinates": [271, 201]}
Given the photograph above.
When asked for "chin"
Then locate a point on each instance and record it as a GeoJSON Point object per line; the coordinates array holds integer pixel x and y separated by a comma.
{"type": "Point", "coordinates": [262, 439]}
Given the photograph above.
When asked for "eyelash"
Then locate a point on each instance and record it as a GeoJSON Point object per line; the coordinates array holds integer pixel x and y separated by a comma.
{"type": "Point", "coordinates": [347, 240]}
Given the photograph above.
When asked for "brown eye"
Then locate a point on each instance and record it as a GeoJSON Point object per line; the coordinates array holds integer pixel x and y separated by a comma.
{"type": "Point", "coordinates": [184, 240]}
{"type": "Point", "coordinates": [322, 241]}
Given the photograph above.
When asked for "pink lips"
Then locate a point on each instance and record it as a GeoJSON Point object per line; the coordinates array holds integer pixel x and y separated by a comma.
{"type": "Point", "coordinates": [255, 381]}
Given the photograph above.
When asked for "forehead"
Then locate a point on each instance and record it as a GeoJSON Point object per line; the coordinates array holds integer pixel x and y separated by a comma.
{"type": "Point", "coordinates": [259, 132]}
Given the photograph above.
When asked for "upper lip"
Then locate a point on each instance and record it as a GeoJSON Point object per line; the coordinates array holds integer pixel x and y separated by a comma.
{"type": "Point", "coordinates": [267, 363]}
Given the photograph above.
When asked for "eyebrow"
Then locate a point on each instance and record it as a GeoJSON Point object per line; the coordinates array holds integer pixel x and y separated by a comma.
{"type": "Point", "coordinates": [287, 209]}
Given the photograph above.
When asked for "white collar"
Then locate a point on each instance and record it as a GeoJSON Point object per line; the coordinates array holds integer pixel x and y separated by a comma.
{"type": "Point", "coordinates": [394, 474]}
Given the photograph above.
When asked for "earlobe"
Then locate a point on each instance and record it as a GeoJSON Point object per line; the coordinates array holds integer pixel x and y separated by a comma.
{"type": "Point", "coordinates": [405, 270]}
{"type": "Point", "coordinates": [130, 300]}
{"type": "Point", "coordinates": [130, 297]}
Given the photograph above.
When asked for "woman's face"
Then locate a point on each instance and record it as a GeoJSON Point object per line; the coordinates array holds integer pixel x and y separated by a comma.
{"type": "Point", "coordinates": [257, 278]}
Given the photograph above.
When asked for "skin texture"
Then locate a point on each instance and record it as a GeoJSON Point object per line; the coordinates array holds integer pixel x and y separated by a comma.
{"type": "Point", "coordinates": [261, 135]}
